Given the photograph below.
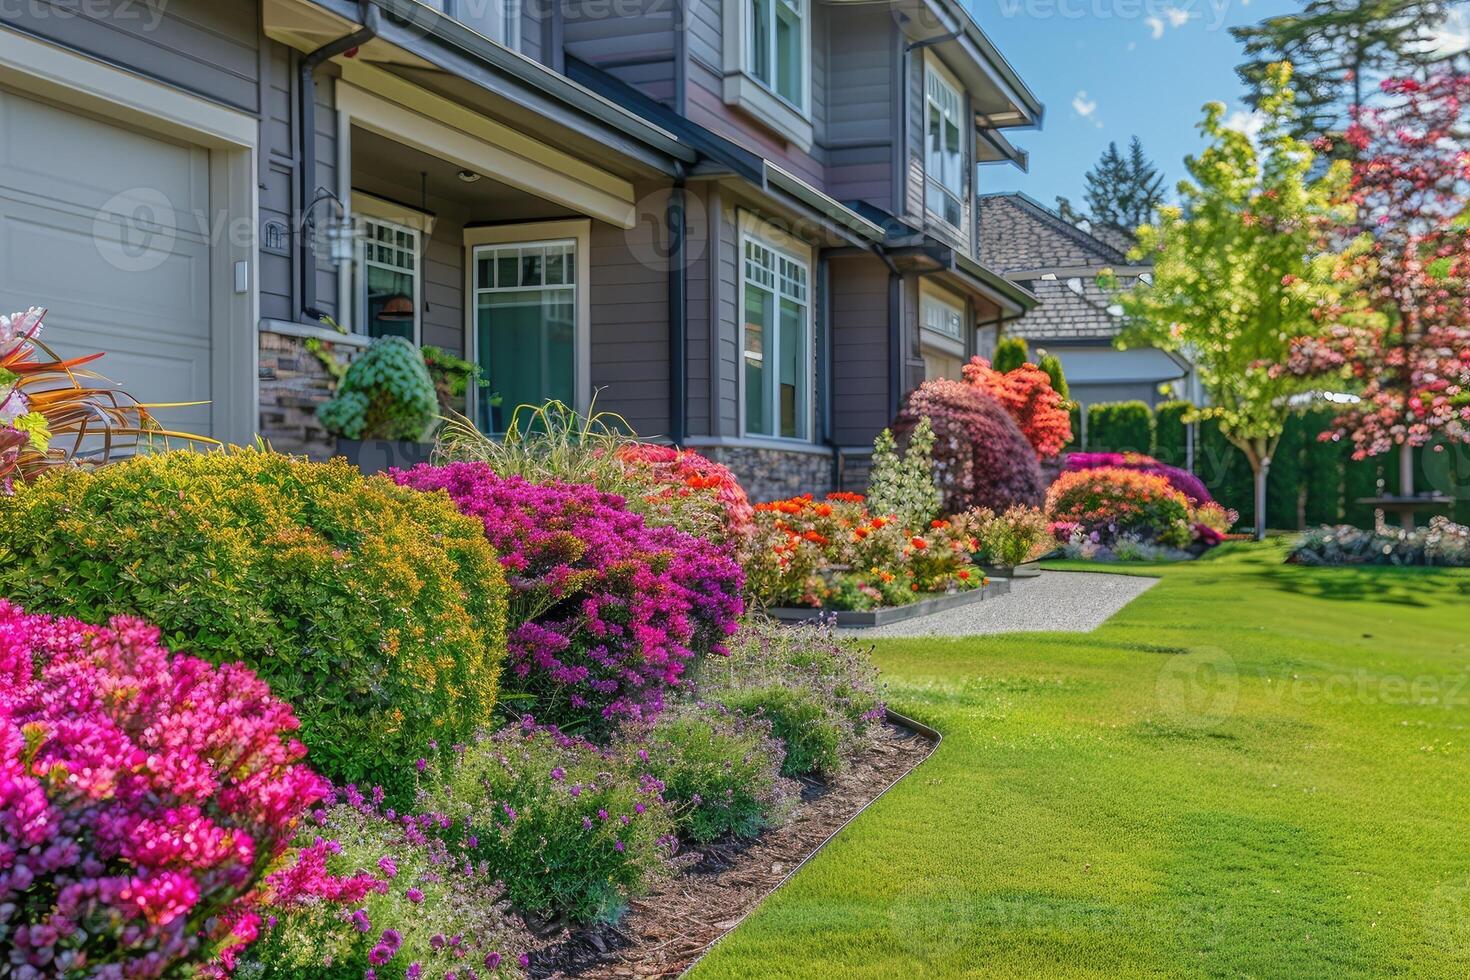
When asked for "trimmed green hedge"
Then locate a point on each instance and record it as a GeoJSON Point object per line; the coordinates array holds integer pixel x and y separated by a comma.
{"type": "Point", "coordinates": [1010, 353]}
{"type": "Point", "coordinates": [1120, 427]}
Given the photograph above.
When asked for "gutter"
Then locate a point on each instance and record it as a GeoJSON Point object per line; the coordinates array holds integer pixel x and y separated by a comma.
{"type": "Point", "coordinates": [415, 27]}
{"type": "Point", "coordinates": [306, 120]}
{"type": "Point", "coordinates": [823, 203]}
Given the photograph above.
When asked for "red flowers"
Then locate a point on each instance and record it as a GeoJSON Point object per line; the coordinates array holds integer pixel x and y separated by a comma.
{"type": "Point", "coordinates": [918, 543]}
{"type": "Point", "coordinates": [1027, 395]}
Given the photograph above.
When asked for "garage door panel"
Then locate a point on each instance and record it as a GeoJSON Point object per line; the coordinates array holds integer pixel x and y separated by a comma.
{"type": "Point", "coordinates": [136, 289]}
{"type": "Point", "coordinates": [40, 259]}
{"type": "Point", "coordinates": [74, 160]}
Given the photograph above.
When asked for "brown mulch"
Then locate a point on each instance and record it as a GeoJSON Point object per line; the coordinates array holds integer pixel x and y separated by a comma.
{"type": "Point", "coordinates": [663, 932]}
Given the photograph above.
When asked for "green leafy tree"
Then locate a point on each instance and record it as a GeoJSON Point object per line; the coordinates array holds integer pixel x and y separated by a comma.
{"type": "Point", "coordinates": [1010, 353]}
{"type": "Point", "coordinates": [1337, 48]}
{"type": "Point", "coordinates": [1240, 266]}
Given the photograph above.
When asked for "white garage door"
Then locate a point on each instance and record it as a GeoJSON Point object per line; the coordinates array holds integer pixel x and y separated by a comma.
{"type": "Point", "coordinates": [108, 228]}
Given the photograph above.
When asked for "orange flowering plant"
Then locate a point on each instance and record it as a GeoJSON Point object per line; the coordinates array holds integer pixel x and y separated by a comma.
{"type": "Point", "coordinates": [834, 553]}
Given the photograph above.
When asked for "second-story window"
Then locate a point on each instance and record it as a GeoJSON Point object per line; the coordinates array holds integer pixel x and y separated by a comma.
{"type": "Point", "coordinates": [499, 20]}
{"type": "Point", "coordinates": [778, 47]}
{"type": "Point", "coordinates": [945, 157]}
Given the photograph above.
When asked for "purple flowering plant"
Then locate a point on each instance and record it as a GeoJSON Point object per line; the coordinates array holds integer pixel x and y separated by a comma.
{"type": "Point", "coordinates": [577, 845]}
{"type": "Point", "coordinates": [607, 613]}
{"type": "Point", "coordinates": [721, 771]}
{"type": "Point", "coordinates": [1182, 480]}
{"type": "Point", "coordinates": [388, 895]}
{"type": "Point", "coordinates": [143, 795]}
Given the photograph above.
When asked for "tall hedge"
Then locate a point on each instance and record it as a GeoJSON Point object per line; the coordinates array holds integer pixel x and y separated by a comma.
{"type": "Point", "coordinates": [1171, 435]}
{"type": "Point", "coordinates": [1120, 427]}
{"type": "Point", "coordinates": [1010, 353]}
{"type": "Point", "coordinates": [377, 611]}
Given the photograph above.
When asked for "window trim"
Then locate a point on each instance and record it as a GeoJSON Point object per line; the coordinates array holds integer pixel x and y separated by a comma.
{"type": "Point", "coordinates": [753, 229]}
{"type": "Point", "coordinates": [792, 121]}
{"type": "Point", "coordinates": [936, 69]}
{"type": "Point", "coordinates": [931, 296]}
{"type": "Point", "coordinates": [575, 230]}
{"type": "Point", "coordinates": [384, 212]}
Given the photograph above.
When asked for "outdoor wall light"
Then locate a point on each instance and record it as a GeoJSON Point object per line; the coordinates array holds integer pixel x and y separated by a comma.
{"type": "Point", "coordinates": [468, 176]}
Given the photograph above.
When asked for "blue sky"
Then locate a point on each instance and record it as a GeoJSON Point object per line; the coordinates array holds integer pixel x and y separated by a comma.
{"type": "Point", "coordinates": [1111, 69]}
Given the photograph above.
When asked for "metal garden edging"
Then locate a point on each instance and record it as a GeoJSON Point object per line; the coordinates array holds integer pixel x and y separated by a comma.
{"type": "Point", "coordinates": [902, 721]}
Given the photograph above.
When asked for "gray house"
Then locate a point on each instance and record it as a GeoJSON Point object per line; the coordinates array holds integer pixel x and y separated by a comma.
{"type": "Point", "coordinates": [1077, 319]}
{"type": "Point", "coordinates": [747, 226]}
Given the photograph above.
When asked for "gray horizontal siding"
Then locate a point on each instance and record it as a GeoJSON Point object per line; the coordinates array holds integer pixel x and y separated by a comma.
{"type": "Point", "coordinates": [204, 46]}
{"type": "Point", "coordinates": [859, 350]}
{"type": "Point", "coordinates": [630, 317]}
{"type": "Point", "coordinates": [632, 40]}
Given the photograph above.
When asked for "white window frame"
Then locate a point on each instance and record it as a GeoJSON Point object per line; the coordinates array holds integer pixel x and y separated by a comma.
{"type": "Point", "coordinates": [471, 13]}
{"type": "Point", "coordinates": [755, 232]}
{"type": "Point", "coordinates": [801, 9]}
{"type": "Point", "coordinates": [936, 304]}
{"type": "Point", "coordinates": [760, 100]}
{"type": "Point", "coordinates": [938, 81]}
{"type": "Point", "coordinates": [577, 232]}
{"type": "Point", "coordinates": [365, 240]}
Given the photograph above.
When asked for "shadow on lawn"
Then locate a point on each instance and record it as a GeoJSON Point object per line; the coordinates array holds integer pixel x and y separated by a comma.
{"type": "Point", "coordinates": [1418, 587]}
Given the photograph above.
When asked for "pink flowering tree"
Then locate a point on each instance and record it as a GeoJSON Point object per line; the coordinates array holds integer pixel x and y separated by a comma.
{"type": "Point", "coordinates": [142, 797]}
{"type": "Point", "coordinates": [1402, 338]}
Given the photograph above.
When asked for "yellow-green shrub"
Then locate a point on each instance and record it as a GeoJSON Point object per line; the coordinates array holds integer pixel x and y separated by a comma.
{"type": "Point", "coordinates": [377, 611]}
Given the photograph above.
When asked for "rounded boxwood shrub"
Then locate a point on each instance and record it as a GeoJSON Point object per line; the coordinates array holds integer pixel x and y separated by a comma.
{"type": "Point", "coordinates": [981, 457]}
{"type": "Point", "coordinates": [1110, 502]}
{"type": "Point", "coordinates": [377, 612]}
{"type": "Point", "coordinates": [386, 394]}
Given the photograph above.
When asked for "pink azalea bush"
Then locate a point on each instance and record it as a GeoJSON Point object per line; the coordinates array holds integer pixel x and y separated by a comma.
{"type": "Point", "coordinates": [606, 612]}
{"type": "Point", "coordinates": [1182, 480]}
{"type": "Point", "coordinates": [142, 796]}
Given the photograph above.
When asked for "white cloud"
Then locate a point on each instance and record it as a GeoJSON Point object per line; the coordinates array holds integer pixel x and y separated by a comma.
{"type": "Point", "coordinates": [1250, 123]}
{"type": "Point", "coordinates": [1083, 106]}
{"type": "Point", "coordinates": [1452, 36]}
{"type": "Point", "coordinates": [1177, 17]}
{"type": "Point", "coordinates": [1155, 26]}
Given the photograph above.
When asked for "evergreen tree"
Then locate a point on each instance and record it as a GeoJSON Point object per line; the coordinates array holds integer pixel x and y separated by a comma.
{"type": "Point", "coordinates": [1122, 191]}
{"type": "Point", "coordinates": [1338, 49]}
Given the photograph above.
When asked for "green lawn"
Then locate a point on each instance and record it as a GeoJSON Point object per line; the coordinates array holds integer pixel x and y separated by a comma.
{"type": "Point", "coordinates": [1253, 770]}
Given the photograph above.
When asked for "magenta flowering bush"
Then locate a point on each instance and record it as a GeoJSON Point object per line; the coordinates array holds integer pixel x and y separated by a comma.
{"type": "Point", "coordinates": [1182, 480]}
{"type": "Point", "coordinates": [570, 828]}
{"type": "Point", "coordinates": [373, 893]}
{"type": "Point", "coordinates": [142, 796]}
{"type": "Point", "coordinates": [606, 612]}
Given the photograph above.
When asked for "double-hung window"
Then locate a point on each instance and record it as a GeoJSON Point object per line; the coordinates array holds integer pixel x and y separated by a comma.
{"type": "Point", "coordinates": [777, 341]}
{"type": "Point", "coordinates": [499, 20]}
{"type": "Point", "coordinates": [945, 147]}
{"type": "Point", "coordinates": [777, 33]}
{"type": "Point", "coordinates": [388, 277]}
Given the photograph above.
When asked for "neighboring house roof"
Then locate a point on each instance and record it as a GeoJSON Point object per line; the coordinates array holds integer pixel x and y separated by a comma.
{"type": "Point", "coordinates": [1019, 234]}
{"type": "Point", "coordinates": [1029, 241]}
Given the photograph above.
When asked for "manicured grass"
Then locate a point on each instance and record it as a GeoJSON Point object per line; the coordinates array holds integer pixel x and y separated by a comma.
{"type": "Point", "coordinates": [1253, 770]}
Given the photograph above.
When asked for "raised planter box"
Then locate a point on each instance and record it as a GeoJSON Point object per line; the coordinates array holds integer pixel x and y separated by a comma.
{"type": "Point", "coordinates": [378, 455]}
{"type": "Point", "coordinates": [1030, 569]}
{"type": "Point", "coordinates": [850, 619]}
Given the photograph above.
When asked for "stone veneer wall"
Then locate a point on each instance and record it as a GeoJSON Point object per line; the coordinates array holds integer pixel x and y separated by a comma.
{"type": "Point", "coordinates": [293, 382]}
{"type": "Point", "coordinates": [774, 474]}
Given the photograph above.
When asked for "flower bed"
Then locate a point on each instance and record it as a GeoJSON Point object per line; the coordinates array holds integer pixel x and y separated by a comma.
{"type": "Point", "coordinates": [834, 554]}
{"type": "Point", "coordinates": [1113, 513]}
{"type": "Point", "coordinates": [606, 611]}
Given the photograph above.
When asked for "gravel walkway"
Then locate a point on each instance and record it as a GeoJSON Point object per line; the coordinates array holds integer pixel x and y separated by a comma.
{"type": "Point", "coordinates": [1053, 602]}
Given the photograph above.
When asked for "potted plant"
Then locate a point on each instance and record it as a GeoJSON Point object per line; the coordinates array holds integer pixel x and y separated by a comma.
{"type": "Point", "coordinates": [384, 409]}
{"type": "Point", "coordinates": [1012, 543]}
